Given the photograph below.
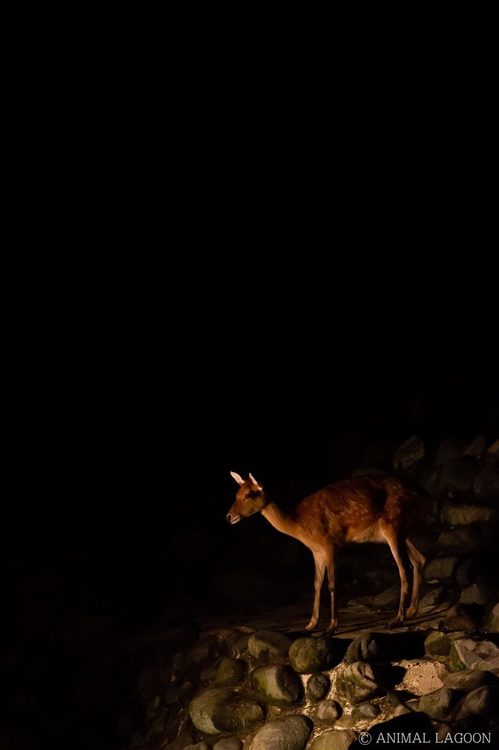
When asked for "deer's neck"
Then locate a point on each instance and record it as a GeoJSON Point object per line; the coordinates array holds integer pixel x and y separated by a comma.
{"type": "Point", "coordinates": [282, 521]}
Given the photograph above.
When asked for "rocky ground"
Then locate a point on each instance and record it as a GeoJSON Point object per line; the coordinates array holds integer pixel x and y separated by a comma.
{"type": "Point", "coordinates": [256, 681]}
{"type": "Point", "coordinates": [263, 684]}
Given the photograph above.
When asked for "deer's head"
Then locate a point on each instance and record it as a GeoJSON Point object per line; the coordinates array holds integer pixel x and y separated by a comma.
{"type": "Point", "coordinates": [250, 498]}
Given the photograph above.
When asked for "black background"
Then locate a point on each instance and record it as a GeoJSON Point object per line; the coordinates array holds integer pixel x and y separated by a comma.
{"type": "Point", "coordinates": [257, 246]}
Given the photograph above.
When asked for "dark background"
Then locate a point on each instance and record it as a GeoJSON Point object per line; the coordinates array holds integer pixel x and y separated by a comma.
{"type": "Point", "coordinates": [270, 249]}
{"type": "Point", "coordinates": [259, 250]}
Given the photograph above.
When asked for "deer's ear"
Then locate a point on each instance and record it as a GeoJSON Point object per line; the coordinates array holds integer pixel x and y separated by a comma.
{"type": "Point", "coordinates": [255, 482]}
{"type": "Point", "coordinates": [237, 477]}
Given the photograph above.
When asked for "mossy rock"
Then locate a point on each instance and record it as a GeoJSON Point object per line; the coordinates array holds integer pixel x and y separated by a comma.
{"type": "Point", "coordinates": [309, 654]}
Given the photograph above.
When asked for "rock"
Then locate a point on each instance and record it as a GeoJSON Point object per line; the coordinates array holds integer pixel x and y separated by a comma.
{"type": "Point", "coordinates": [458, 474]}
{"type": "Point", "coordinates": [477, 703]}
{"type": "Point", "coordinates": [236, 644]}
{"type": "Point", "coordinates": [198, 746]}
{"type": "Point", "coordinates": [362, 648]}
{"type": "Point", "coordinates": [462, 538]}
{"type": "Point", "coordinates": [356, 683]}
{"type": "Point", "coordinates": [230, 672]}
{"type": "Point", "coordinates": [476, 593]}
{"type": "Point", "coordinates": [422, 676]}
{"type": "Point", "coordinates": [409, 453]}
{"type": "Point", "coordinates": [328, 711]}
{"type": "Point", "coordinates": [334, 739]}
{"type": "Point", "coordinates": [469, 680]}
{"type": "Point", "coordinates": [467, 514]}
{"type": "Point", "coordinates": [317, 687]}
{"type": "Point", "coordinates": [449, 449]}
{"type": "Point", "coordinates": [440, 568]}
{"type": "Point", "coordinates": [268, 645]}
{"type": "Point", "coordinates": [432, 598]}
{"type": "Point", "coordinates": [486, 484]}
{"type": "Point", "coordinates": [437, 644]}
{"type": "Point", "coordinates": [276, 684]}
{"type": "Point", "coordinates": [204, 652]}
{"type": "Point", "coordinates": [429, 478]}
{"type": "Point", "coordinates": [493, 449]}
{"type": "Point", "coordinates": [309, 654]}
{"type": "Point", "coordinates": [229, 744]}
{"type": "Point", "coordinates": [387, 599]}
{"type": "Point", "coordinates": [365, 711]}
{"type": "Point", "coordinates": [218, 711]}
{"type": "Point", "coordinates": [458, 618]}
{"type": "Point", "coordinates": [477, 447]}
{"type": "Point", "coordinates": [477, 654]}
{"type": "Point", "coordinates": [289, 733]}
{"type": "Point", "coordinates": [492, 619]}
{"type": "Point", "coordinates": [437, 705]}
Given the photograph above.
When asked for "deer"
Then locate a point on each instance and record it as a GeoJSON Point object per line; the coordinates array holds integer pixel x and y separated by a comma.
{"type": "Point", "coordinates": [375, 508]}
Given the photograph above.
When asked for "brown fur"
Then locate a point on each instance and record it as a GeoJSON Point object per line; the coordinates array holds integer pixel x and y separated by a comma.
{"type": "Point", "coordinates": [364, 509]}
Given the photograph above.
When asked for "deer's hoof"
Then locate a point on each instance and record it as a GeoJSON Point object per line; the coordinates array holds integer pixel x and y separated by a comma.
{"type": "Point", "coordinates": [411, 611]}
{"type": "Point", "coordinates": [332, 626]}
{"type": "Point", "coordinates": [311, 625]}
{"type": "Point", "coordinates": [396, 622]}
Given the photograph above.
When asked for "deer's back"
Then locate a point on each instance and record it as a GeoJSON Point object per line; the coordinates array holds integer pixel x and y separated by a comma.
{"type": "Point", "coordinates": [350, 510]}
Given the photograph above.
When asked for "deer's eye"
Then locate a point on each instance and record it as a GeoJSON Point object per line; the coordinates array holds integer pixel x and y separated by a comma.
{"type": "Point", "coordinates": [247, 496]}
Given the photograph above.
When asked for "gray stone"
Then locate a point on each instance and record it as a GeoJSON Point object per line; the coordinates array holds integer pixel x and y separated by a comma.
{"type": "Point", "coordinates": [476, 593]}
{"type": "Point", "coordinates": [409, 453]}
{"type": "Point", "coordinates": [461, 618]}
{"type": "Point", "coordinates": [486, 484]}
{"type": "Point", "coordinates": [449, 449]}
{"type": "Point", "coordinates": [437, 644]}
{"type": "Point", "coordinates": [276, 684]}
{"type": "Point", "coordinates": [309, 654]}
{"type": "Point", "coordinates": [388, 599]}
{"type": "Point", "coordinates": [365, 711]}
{"type": "Point", "coordinates": [440, 568]}
{"type": "Point", "coordinates": [268, 645]}
{"type": "Point", "coordinates": [437, 704]}
{"type": "Point", "coordinates": [492, 619]}
{"type": "Point", "coordinates": [462, 538]}
{"type": "Point", "coordinates": [218, 711]}
{"type": "Point", "coordinates": [317, 686]}
{"type": "Point", "coordinates": [230, 672]}
{"type": "Point", "coordinates": [289, 733]}
{"type": "Point", "coordinates": [432, 598]}
{"type": "Point", "coordinates": [458, 474]}
{"type": "Point", "coordinates": [477, 654]}
{"type": "Point", "coordinates": [477, 703]}
{"type": "Point", "coordinates": [468, 514]}
{"type": "Point", "coordinates": [477, 447]}
{"type": "Point", "coordinates": [236, 644]}
{"type": "Point", "coordinates": [356, 683]}
{"type": "Point", "coordinates": [362, 648]}
{"type": "Point", "coordinates": [334, 739]}
{"type": "Point", "coordinates": [231, 743]}
{"type": "Point", "coordinates": [204, 652]}
{"type": "Point", "coordinates": [469, 680]}
{"type": "Point", "coordinates": [328, 711]}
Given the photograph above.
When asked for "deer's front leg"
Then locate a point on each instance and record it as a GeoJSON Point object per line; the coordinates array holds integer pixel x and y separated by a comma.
{"type": "Point", "coordinates": [331, 577]}
{"type": "Point", "coordinates": [320, 569]}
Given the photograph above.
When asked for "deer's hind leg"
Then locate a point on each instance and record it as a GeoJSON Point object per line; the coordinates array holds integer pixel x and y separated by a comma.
{"type": "Point", "coordinates": [398, 550]}
{"type": "Point", "coordinates": [417, 561]}
{"type": "Point", "coordinates": [320, 570]}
